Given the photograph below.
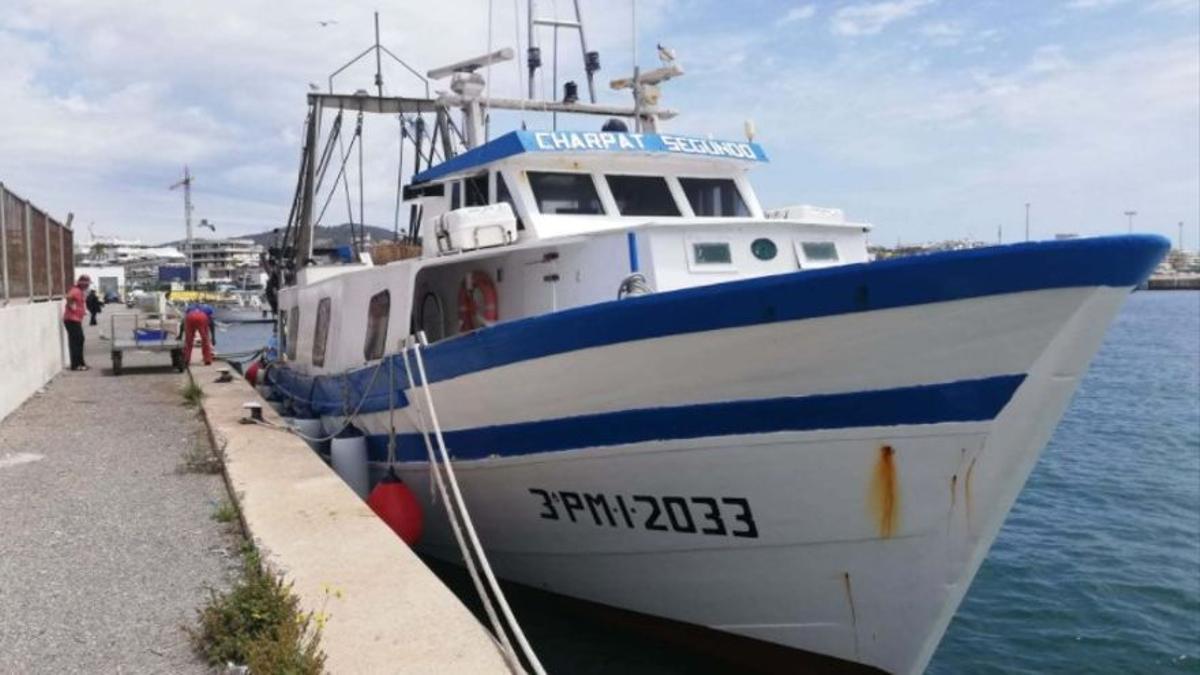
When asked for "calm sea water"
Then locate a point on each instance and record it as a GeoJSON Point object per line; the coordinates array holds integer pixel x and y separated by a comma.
{"type": "Point", "coordinates": [1097, 568]}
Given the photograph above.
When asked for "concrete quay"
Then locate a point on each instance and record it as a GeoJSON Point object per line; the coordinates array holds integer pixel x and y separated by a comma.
{"type": "Point", "coordinates": [386, 611]}
{"type": "Point", "coordinates": [106, 547]}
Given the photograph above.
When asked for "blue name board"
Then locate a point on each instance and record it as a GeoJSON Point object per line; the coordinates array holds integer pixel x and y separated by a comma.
{"type": "Point", "coordinates": [575, 141]}
{"type": "Point", "coordinates": [519, 142]}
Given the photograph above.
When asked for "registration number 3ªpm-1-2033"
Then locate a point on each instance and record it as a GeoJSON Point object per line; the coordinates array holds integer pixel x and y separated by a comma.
{"type": "Point", "coordinates": [714, 516]}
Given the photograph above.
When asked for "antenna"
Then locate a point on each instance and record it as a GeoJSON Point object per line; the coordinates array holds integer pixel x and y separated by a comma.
{"type": "Point", "coordinates": [591, 59]}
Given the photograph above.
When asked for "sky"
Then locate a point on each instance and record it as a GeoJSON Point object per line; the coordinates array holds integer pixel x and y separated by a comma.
{"type": "Point", "coordinates": [930, 119]}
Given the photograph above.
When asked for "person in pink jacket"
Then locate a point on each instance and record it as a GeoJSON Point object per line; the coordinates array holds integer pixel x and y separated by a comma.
{"type": "Point", "coordinates": [76, 307]}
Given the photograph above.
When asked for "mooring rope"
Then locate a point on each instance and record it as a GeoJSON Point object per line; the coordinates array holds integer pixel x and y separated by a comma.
{"type": "Point", "coordinates": [468, 524]}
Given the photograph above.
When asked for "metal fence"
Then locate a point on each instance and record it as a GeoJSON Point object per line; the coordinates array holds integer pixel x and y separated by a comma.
{"type": "Point", "coordinates": [37, 253]}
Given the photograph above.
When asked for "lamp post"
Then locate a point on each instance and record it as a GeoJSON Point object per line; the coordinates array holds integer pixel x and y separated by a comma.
{"type": "Point", "coordinates": [1130, 215]}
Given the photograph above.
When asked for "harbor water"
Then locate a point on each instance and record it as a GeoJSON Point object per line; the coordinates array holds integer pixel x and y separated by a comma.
{"type": "Point", "coordinates": [1097, 568]}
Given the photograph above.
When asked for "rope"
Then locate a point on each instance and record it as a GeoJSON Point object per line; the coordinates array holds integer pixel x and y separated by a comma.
{"type": "Point", "coordinates": [468, 559]}
{"type": "Point", "coordinates": [349, 417]}
{"type": "Point", "coordinates": [477, 547]}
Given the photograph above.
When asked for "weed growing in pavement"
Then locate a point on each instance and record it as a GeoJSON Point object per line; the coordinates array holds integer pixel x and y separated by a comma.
{"type": "Point", "coordinates": [259, 624]}
{"type": "Point", "coordinates": [199, 457]}
{"type": "Point", "coordinates": [192, 393]}
{"type": "Point", "coordinates": [224, 512]}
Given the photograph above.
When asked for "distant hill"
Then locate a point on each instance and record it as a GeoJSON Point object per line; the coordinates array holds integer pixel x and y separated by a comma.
{"type": "Point", "coordinates": [332, 235]}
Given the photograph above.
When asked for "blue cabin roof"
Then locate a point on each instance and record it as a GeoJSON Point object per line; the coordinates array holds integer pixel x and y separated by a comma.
{"type": "Point", "coordinates": [521, 142]}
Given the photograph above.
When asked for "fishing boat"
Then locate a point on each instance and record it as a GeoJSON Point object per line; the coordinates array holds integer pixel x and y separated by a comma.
{"type": "Point", "coordinates": [663, 397]}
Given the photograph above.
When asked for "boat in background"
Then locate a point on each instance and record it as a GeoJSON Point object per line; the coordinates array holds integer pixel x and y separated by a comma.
{"type": "Point", "coordinates": [661, 396]}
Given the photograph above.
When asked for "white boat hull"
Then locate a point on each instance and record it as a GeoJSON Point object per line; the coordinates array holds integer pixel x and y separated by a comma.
{"type": "Point", "coordinates": [865, 538]}
{"type": "Point", "coordinates": [827, 477]}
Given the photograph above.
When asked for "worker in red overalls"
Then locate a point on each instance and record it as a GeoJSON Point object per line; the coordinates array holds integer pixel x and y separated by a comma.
{"type": "Point", "coordinates": [198, 319]}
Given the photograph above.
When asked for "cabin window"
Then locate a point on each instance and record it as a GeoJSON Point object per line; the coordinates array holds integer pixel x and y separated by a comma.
{"type": "Point", "coordinates": [819, 251]}
{"type": "Point", "coordinates": [455, 195]}
{"type": "Point", "coordinates": [293, 330]}
{"type": "Point", "coordinates": [714, 197]}
{"type": "Point", "coordinates": [764, 249]}
{"type": "Point", "coordinates": [565, 193]}
{"type": "Point", "coordinates": [712, 253]}
{"type": "Point", "coordinates": [377, 325]}
{"type": "Point", "coordinates": [503, 196]}
{"type": "Point", "coordinates": [321, 332]}
{"type": "Point", "coordinates": [642, 196]}
{"type": "Point", "coordinates": [476, 188]}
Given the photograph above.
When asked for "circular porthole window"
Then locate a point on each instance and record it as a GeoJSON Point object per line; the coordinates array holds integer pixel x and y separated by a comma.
{"type": "Point", "coordinates": [764, 249]}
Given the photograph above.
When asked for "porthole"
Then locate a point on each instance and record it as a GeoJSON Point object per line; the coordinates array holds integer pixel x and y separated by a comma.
{"type": "Point", "coordinates": [764, 249]}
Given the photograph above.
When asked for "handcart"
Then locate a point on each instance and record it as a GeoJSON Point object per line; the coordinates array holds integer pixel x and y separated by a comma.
{"type": "Point", "coordinates": [145, 333]}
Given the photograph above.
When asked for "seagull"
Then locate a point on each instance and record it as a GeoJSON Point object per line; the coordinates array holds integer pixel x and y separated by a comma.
{"type": "Point", "coordinates": [667, 56]}
{"type": "Point", "coordinates": [313, 87]}
{"type": "Point", "coordinates": [328, 22]}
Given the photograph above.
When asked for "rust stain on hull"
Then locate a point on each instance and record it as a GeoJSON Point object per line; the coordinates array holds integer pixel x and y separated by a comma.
{"type": "Point", "coordinates": [885, 493]}
{"type": "Point", "coordinates": [853, 612]}
{"type": "Point", "coordinates": [967, 491]}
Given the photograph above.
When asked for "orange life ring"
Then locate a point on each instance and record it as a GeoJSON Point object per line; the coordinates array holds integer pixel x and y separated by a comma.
{"type": "Point", "coordinates": [477, 302]}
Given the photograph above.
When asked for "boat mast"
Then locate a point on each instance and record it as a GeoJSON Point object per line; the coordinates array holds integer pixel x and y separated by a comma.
{"type": "Point", "coordinates": [186, 184]}
{"type": "Point", "coordinates": [591, 60]}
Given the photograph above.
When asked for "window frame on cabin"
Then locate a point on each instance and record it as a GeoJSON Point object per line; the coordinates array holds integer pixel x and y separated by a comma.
{"type": "Point", "coordinates": [809, 261]}
{"type": "Point", "coordinates": [321, 331]}
{"type": "Point", "coordinates": [583, 179]}
{"type": "Point", "coordinates": [622, 197]}
{"type": "Point", "coordinates": [292, 335]}
{"type": "Point", "coordinates": [505, 196]}
{"type": "Point", "coordinates": [740, 207]}
{"type": "Point", "coordinates": [378, 314]}
{"type": "Point", "coordinates": [471, 186]}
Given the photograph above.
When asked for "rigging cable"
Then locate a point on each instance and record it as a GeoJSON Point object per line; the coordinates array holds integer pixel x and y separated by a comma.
{"type": "Point", "coordinates": [487, 84]}
{"type": "Point", "coordinates": [399, 181]}
{"type": "Point", "coordinates": [341, 172]}
{"type": "Point", "coordinates": [297, 196]}
{"type": "Point", "coordinates": [360, 239]}
{"type": "Point", "coordinates": [345, 178]}
{"type": "Point", "coordinates": [327, 152]}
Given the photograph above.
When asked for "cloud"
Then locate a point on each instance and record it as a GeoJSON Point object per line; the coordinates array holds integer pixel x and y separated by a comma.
{"type": "Point", "coordinates": [1175, 6]}
{"type": "Point", "coordinates": [1047, 59]}
{"type": "Point", "coordinates": [104, 102]}
{"type": "Point", "coordinates": [869, 19]}
{"type": "Point", "coordinates": [795, 14]}
{"type": "Point", "coordinates": [1088, 5]}
{"type": "Point", "coordinates": [925, 153]}
{"type": "Point", "coordinates": [943, 33]}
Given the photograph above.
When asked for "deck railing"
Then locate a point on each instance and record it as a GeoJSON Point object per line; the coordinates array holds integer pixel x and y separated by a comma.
{"type": "Point", "coordinates": [37, 253]}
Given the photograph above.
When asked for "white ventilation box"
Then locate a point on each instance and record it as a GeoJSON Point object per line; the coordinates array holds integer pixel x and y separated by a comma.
{"type": "Point", "coordinates": [815, 215]}
{"type": "Point", "coordinates": [473, 227]}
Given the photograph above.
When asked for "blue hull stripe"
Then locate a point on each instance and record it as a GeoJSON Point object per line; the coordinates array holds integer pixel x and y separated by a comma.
{"type": "Point", "coordinates": [1121, 261]}
{"type": "Point", "coordinates": [963, 401]}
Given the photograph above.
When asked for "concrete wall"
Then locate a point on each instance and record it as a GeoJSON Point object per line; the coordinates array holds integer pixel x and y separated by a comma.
{"type": "Point", "coordinates": [32, 350]}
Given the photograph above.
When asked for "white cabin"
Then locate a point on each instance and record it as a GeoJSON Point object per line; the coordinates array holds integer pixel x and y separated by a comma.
{"type": "Point", "coordinates": [556, 220]}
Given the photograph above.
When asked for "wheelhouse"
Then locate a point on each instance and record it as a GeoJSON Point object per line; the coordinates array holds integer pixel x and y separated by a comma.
{"type": "Point", "coordinates": [537, 222]}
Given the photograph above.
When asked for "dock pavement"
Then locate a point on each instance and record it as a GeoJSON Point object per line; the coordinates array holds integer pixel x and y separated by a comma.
{"type": "Point", "coordinates": [106, 546]}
